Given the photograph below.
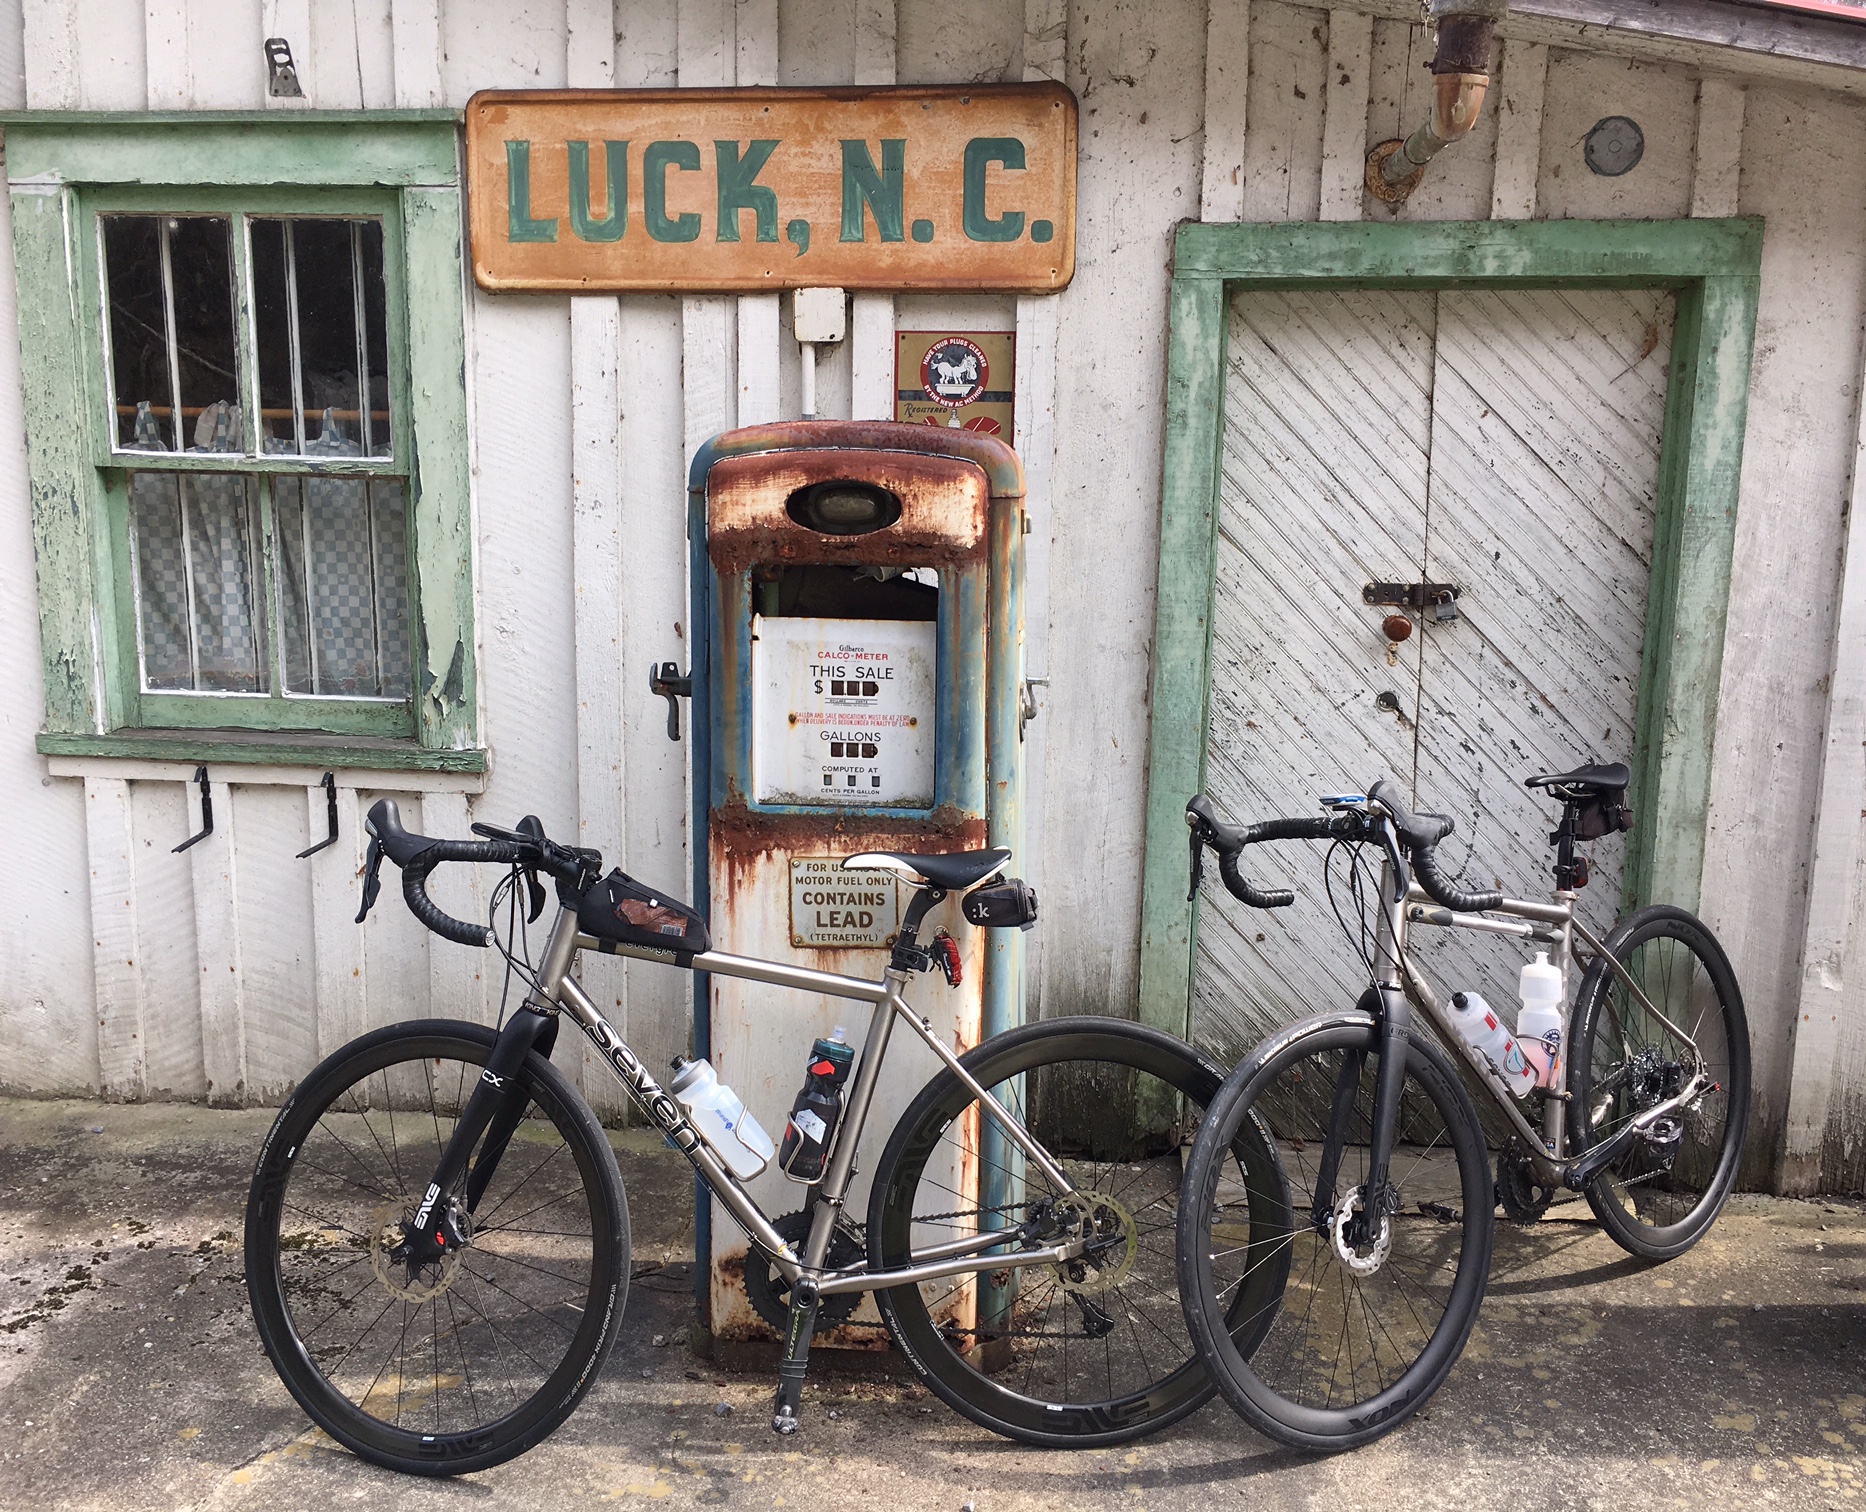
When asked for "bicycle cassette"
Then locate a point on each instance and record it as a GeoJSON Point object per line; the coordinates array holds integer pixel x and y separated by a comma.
{"type": "Point", "coordinates": [1524, 1198]}
{"type": "Point", "coordinates": [769, 1292]}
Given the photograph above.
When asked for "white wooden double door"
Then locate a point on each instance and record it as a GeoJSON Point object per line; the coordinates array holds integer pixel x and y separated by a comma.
{"type": "Point", "coordinates": [1505, 442]}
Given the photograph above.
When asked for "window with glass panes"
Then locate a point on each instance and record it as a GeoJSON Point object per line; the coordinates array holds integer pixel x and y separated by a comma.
{"type": "Point", "coordinates": [252, 376]}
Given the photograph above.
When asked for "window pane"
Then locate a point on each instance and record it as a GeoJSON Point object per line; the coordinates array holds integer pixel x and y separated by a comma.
{"type": "Point", "coordinates": [321, 307]}
{"type": "Point", "coordinates": [200, 259]}
{"type": "Point", "coordinates": [195, 540]}
{"type": "Point", "coordinates": [343, 567]}
{"type": "Point", "coordinates": [271, 301]}
{"type": "Point", "coordinates": [138, 331]}
{"type": "Point", "coordinates": [376, 336]}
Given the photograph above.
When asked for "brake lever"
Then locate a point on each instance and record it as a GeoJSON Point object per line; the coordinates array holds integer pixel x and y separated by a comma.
{"type": "Point", "coordinates": [534, 890]}
{"type": "Point", "coordinates": [372, 878]}
{"type": "Point", "coordinates": [1198, 864]}
{"type": "Point", "coordinates": [1402, 875]}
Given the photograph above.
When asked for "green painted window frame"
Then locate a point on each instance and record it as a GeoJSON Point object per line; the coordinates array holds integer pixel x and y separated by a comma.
{"type": "Point", "coordinates": [400, 166]}
{"type": "Point", "coordinates": [1714, 269]}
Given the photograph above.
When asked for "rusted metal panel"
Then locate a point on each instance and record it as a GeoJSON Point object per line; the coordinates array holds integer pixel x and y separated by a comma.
{"type": "Point", "coordinates": [952, 187]}
{"type": "Point", "coordinates": [944, 502]}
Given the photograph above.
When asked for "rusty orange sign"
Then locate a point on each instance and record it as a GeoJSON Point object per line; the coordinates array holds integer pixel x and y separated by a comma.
{"type": "Point", "coordinates": [969, 187]}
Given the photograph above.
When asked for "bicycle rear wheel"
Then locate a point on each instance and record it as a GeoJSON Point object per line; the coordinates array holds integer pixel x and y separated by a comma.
{"type": "Point", "coordinates": [470, 1361]}
{"type": "Point", "coordinates": [1093, 1352]}
{"type": "Point", "coordinates": [1374, 1316]}
{"type": "Point", "coordinates": [1660, 1195]}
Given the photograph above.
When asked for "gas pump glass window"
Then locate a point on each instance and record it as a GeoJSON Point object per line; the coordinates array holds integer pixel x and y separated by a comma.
{"type": "Point", "coordinates": [250, 337]}
{"type": "Point", "coordinates": [843, 667]}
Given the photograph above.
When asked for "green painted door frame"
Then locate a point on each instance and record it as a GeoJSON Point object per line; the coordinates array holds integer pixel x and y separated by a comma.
{"type": "Point", "coordinates": [1713, 266]}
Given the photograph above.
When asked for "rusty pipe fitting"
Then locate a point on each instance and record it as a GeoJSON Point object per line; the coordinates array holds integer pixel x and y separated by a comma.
{"type": "Point", "coordinates": [1467, 32]}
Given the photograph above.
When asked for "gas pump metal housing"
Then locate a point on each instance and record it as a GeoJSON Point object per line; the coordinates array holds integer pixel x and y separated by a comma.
{"type": "Point", "coordinates": [962, 514]}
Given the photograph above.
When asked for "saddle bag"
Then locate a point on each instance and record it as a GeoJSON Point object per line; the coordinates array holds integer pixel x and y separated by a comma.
{"type": "Point", "coordinates": [621, 910]}
{"type": "Point", "coordinates": [1605, 812]}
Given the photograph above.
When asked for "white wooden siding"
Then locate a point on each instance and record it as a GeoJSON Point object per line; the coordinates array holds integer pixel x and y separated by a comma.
{"type": "Point", "coordinates": [1188, 107]}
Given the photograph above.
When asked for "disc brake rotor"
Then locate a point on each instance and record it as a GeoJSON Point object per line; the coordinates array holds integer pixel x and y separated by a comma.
{"type": "Point", "coordinates": [1346, 1211]}
{"type": "Point", "coordinates": [1110, 1229]}
{"type": "Point", "coordinates": [385, 1234]}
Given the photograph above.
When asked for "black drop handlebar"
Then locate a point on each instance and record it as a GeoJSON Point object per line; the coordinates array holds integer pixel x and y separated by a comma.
{"type": "Point", "coordinates": [1392, 824]}
{"type": "Point", "coordinates": [418, 855]}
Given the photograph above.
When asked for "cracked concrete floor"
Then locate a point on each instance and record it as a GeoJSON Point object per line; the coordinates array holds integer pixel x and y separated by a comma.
{"type": "Point", "coordinates": [130, 1375]}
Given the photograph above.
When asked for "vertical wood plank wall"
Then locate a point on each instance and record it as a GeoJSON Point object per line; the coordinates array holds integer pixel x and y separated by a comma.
{"type": "Point", "coordinates": [584, 412]}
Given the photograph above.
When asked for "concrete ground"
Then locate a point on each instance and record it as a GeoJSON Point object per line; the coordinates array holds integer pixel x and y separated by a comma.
{"type": "Point", "coordinates": [130, 1375]}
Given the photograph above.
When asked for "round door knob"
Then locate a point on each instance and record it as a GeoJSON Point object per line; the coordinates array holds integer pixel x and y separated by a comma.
{"type": "Point", "coordinates": [1396, 627]}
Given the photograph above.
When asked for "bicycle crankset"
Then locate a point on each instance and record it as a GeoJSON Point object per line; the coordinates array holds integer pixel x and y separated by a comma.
{"type": "Point", "coordinates": [769, 1292]}
{"type": "Point", "coordinates": [1523, 1197]}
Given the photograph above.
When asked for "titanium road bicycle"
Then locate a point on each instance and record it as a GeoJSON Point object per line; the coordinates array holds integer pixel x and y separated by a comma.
{"type": "Point", "coordinates": [437, 1239]}
{"type": "Point", "coordinates": [1384, 1227]}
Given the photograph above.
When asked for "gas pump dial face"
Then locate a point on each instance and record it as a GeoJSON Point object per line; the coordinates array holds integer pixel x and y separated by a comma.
{"type": "Point", "coordinates": [842, 712]}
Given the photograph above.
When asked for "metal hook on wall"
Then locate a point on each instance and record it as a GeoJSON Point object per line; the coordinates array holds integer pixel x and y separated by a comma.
{"type": "Point", "coordinates": [207, 812]}
{"type": "Point", "coordinates": [329, 783]}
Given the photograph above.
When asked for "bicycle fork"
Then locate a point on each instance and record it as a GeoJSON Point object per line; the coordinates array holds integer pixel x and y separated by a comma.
{"type": "Point", "coordinates": [1378, 1197]}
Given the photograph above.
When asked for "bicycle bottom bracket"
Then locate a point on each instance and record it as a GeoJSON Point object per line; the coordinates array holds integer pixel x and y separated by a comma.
{"type": "Point", "coordinates": [1350, 1220]}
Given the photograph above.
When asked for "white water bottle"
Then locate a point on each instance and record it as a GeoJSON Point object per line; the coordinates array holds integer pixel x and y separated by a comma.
{"type": "Point", "coordinates": [1539, 1026]}
{"type": "Point", "coordinates": [720, 1117]}
{"type": "Point", "coordinates": [1484, 1032]}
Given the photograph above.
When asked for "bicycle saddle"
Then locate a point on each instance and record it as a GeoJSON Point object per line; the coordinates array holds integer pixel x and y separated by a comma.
{"type": "Point", "coordinates": [1595, 777]}
{"type": "Point", "coordinates": [948, 872]}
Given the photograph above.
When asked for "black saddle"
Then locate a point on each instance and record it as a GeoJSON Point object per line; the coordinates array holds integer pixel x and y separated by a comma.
{"type": "Point", "coordinates": [949, 872]}
{"type": "Point", "coordinates": [1599, 777]}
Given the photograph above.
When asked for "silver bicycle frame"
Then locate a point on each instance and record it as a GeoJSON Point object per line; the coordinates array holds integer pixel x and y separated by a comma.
{"type": "Point", "coordinates": [557, 988]}
{"type": "Point", "coordinates": [1553, 924]}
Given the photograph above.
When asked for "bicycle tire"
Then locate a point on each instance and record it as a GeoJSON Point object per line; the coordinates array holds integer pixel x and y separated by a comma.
{"type": "Point", "coordinates": [1095, 1090]}
{"type": "Point", "coordinates": [1293, 1087]}
{"type": "Point", "coordinates": [1693, 1186]}
{"type": "Point", "coordinates": [324, 1211]}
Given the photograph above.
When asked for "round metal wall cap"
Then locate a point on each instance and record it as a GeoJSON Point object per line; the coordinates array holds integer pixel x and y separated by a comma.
{"type": "Point", "coordinates": [1614, 146]}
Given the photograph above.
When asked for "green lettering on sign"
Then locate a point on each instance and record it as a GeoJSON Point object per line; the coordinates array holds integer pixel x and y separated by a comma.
{"type": "Point", "coordinates": [882, 192]}
{"type": "Point", "coordinates": [611, 226]}
{"type": "Point", "coordinates": [979, 153]}
{"type": "Point", "coordinates": [660, 157]}
{"type": "Point", "coordinates": [520, 227]}
{"type": "Point", "coordinates": [740, 190]}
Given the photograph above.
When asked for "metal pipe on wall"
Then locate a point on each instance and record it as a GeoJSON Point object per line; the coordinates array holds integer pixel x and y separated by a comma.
{"type": "Point", "coordinates": [1467, 32]}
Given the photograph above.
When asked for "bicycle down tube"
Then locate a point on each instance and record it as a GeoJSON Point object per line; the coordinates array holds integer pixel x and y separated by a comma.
{"type": "Point", "coordinates": [561, 989]}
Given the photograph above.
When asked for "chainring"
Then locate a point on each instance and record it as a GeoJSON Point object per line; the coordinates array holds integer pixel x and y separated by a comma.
{"type": "Point", "coordinates": [1524, 1198]}
{"type": "Point", "coordinates": [769, 1292]}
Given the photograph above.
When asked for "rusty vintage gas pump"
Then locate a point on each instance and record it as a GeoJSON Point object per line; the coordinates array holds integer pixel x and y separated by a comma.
{"type": "Point", "coordinates": [856, 687]}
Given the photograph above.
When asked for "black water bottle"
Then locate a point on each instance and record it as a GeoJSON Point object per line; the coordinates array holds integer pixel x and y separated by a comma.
{"type": "Point", "coordinates": [805, 1151]}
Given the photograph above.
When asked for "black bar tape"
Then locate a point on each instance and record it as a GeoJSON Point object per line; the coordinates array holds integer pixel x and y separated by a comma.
{"type": "Point", "coordinates": [1425, 867]}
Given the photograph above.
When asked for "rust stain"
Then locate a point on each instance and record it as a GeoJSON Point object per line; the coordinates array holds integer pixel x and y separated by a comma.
{"type": "Point", "coordinates": [945, 506]}
{"type": "Point", "coordinates": [952, 187]}
{"type": "Point", "coordinates": [737, 830]}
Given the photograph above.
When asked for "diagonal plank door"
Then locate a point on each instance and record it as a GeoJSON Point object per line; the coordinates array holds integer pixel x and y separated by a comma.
{"type": "Point", "coordinates": [1323, 487]}
{"type": "Point", "coordinates": [1505, 442]}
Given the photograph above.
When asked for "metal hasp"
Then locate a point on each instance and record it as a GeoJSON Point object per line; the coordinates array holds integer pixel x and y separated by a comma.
{"type": "Point", "coordinates": [665, 681]}
{"type": "Point", "coordinates": [1440, 598]}
{"type": "Point", "coordinates": [1467, 32]}
{"type": "Point", "coordinates": [207, 812]}
{"type": "Point", "coordinates": [857, 679]}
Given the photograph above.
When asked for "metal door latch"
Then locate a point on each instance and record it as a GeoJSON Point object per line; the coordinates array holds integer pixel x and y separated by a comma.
{"type": "Point", "coordinates": [1440, 598]}
{"type": "Point", "coordinates": [666, 681]}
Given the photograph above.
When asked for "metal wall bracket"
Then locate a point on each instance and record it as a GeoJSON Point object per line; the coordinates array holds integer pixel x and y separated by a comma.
{"type": "Point", "coordinates": [665, 681]}
{"type": "Point", "coordinates": [329, 783]}
{"type": "Point", "coordinates": [207, 811]}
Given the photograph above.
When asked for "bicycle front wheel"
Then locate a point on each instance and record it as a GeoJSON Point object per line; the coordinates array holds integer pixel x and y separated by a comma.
{"type": "Point", "coordinates": [467, 1362]}
{"type": "Point", "coordinates": [1093, 1351]}
{"type": "Point", "coordinates": [1383, 1289]}
{"type": "Point", "coordinates": [1664, 1191]}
